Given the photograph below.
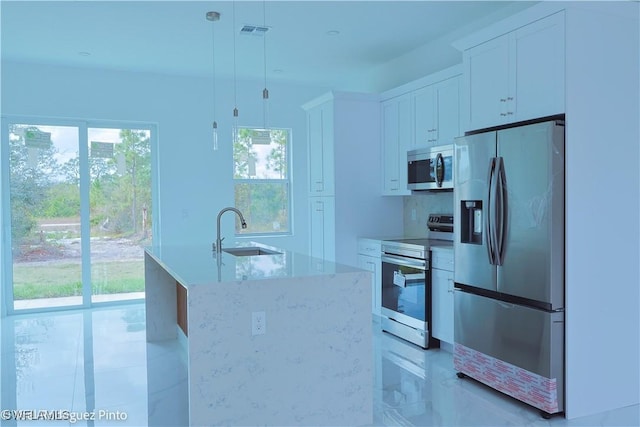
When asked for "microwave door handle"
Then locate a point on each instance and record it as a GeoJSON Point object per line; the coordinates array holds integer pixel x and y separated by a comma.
{"type": "Point", "coordinates": [439, 172]}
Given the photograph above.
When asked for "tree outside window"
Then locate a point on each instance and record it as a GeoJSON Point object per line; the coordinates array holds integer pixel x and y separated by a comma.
{"type": "Point", "coordinates": [262, 182]}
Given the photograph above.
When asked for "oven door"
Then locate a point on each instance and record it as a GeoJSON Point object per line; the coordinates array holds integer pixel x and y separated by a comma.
{"type": "Point", "coordinates": [405, 290]}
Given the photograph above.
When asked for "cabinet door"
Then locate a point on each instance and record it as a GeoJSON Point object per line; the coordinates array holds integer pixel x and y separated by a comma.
{"type": "Point", "coordinates": [447, 97]}
{"type": "Point", "coordinates": [487, 81]}
{"type": "Point", "coordinates": [396, 132]}
{"type": "Point", "coordinates": [322, 228]}
{"type": "Point", "coordinates": [539, 69]}
{"type": "Point", "coordinates": [320, 128]}
{"type": "Point", "coordinates": [425, 125]}
{"type": "Point", "coordinates": [442, 304]}
{"type": "Point", "coordinates": [373, 265]}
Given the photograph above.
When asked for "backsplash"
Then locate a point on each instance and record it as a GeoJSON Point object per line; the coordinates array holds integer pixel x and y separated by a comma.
{"type": "Point", "coordinates": [418, 207]}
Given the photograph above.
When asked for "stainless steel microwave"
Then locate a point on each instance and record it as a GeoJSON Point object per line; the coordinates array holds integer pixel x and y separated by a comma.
{"type": "Point", "coordinates": [430, 168]}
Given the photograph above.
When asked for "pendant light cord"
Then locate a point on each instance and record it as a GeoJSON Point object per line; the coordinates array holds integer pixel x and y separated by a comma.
{"type": "Point", "coordinates": [213, 63]}
{"type": "Point", "coordinates": [265, 91]}
{"type": "Point", "coordinates": [235, 84]}
{"type": "Point", "coordinates": [264, 39]}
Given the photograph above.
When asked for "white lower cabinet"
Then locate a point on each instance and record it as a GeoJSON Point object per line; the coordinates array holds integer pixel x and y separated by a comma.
{"type": "Point", "coordinates": [442, 294]}
{"type": "Point", "coordinates": [322, 228]}
{"type": "Point", "coordinates": [369, 259]}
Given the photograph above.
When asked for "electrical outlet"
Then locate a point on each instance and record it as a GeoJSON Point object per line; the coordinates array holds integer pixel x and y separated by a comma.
{"type": "Point", "coordinates": [258, 323]}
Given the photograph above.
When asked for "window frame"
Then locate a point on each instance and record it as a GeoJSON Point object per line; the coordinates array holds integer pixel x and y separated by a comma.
{"type": "Point", "coordinates": [288, 182]}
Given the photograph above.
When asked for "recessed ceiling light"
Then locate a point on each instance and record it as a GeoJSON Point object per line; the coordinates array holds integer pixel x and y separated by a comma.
{"type": "Point", "coordinates": [333, 32]}
{"type": "Point", "coordinates": [83, 53]}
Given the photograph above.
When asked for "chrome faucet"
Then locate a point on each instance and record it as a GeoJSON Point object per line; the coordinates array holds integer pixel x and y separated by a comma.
{"type": "Point", "coordinates": [217, 246]}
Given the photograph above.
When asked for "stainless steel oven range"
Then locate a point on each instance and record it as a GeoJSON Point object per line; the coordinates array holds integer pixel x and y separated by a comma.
{"type": "Point", "coordinates": [406, 284]}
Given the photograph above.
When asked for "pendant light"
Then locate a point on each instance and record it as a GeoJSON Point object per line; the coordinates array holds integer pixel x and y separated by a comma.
{"type": "Point", "coordinates": [214, 16]}
{"type": "Point", "coordinates": [235, 85]}
{"type": "Point", "coordinates": [265, 91]}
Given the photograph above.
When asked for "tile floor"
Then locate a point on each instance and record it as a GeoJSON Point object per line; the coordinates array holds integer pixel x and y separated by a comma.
{"type": "Point", "coordinates": [98, 361]}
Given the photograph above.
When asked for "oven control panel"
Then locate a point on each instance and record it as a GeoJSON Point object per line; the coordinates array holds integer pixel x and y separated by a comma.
{"type": "Point", "coordinates": [440, 222]}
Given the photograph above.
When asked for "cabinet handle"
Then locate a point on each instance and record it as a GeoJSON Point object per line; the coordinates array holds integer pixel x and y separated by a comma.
{"type": "Point", "coordinates": [510, 98]}
{"type": "Point", "coordinates": [503, 114]}
{"type": "Point", "coordinates": [503, 100]}
{"type": "Point", "coordinates": [451, 287]}
{"type": "Point", "coordinates": [509, 113]}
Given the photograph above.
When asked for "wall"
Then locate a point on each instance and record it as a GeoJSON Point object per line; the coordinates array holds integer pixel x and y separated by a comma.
{"type": "Point", "coordinates": [602, 181]}
{"type": "Point", "coordinates": [194, 181]}
{"type": "Point", "coordinates": [417, 208]}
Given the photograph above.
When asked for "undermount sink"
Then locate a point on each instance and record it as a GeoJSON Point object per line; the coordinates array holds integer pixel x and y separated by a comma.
{"type": "Point", "coordinates": [250, 251]}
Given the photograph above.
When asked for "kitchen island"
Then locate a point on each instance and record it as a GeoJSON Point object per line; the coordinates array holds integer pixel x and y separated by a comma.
{"type": "Point", "coordinates": [271, 339]}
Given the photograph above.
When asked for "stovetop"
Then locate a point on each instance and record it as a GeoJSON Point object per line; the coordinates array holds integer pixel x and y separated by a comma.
{"type": "Point", "coordinates": [440, 234]}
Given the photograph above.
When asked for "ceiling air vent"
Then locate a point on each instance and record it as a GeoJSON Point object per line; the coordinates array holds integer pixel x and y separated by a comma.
{"type": "Point", "coordinates": [254, 30]}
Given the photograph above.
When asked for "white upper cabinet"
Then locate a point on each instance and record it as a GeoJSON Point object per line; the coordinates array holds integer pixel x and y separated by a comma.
{"type": "Point", "coordinates": [487, 77]}
{"type": "Point", "coordinates": [516, 76]}
{"type": "Point", "coordinates": [320, 137]}
{"type": "Point", "coordinates": [539, 64]}
{"type": "Point", "coordinates": [448, 103]}
{"type": "Point", "coordinates": [396, 140]}
{"type": "Point", "coordinates": [418, 114]}
{"type": "Point", "coordinates": [437, 113]}
{"type": "Point", "coordinates": [426, 116]}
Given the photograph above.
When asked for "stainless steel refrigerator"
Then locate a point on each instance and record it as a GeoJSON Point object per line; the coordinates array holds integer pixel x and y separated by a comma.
{"type": "Point", "coordinates": [509, 261]}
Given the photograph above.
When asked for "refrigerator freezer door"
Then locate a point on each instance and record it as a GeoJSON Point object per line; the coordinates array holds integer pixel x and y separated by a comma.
{"type": "Point", "coordinates": [533, 248]}
{"type": "Point", "coordinates": [532, 340]}
{"type": "Point", "coordinates": [473, 157]}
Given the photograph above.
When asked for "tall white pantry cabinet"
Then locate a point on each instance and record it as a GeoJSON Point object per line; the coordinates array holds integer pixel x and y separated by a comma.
{"type": "Point", "coordinates": [581, 59]}
{"type": "Point", "coordinates": [343, 131]}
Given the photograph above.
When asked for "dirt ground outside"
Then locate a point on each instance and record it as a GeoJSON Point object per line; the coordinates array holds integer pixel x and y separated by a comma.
{"type": "Point", "coordinates": [58, 240]}
{"type": "Point", "coordinates": [69, 250]}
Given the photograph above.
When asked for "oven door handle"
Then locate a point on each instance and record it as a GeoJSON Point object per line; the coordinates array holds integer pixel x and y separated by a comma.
{"type": "Point", "coordinates": [415, 263]}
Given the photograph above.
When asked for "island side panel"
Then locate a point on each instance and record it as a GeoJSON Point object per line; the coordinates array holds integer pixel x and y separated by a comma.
{"type": "Point", "coordinates": [160, 301]}
{"type": "Point", "coordinates": [313, 366]}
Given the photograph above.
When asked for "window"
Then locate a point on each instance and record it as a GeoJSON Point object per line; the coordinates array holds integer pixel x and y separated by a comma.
{"type": "Point", "coordinates": [262, 180]}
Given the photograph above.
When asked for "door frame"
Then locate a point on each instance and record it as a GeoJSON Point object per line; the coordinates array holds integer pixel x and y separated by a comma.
{"type": "Point", "coordinates": [6, 260]}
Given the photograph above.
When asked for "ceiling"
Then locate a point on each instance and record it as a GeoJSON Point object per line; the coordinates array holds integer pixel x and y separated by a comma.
{"type": "Point", "coordinates": [320, 42]}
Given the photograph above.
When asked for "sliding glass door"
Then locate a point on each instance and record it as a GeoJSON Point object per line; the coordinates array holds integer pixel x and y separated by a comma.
{"type": "Point", "coordinates": [120, 211]}
{"type": "Point", "coordinates": [77, 202]}
{"type": "Point", "coordinates": [46, 248]}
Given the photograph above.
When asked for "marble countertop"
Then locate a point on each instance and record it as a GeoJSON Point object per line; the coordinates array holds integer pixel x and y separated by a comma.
{"type": "Point", "coordinates": [434, 243]}
{"type": "Point", "coordinates": [198, 264]}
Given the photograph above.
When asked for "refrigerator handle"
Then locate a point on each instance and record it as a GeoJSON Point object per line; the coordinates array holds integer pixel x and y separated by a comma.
{"type": "Point", "coordinates": [489, 224]}
{"type": "Point", "coordinates": [501, 210]}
